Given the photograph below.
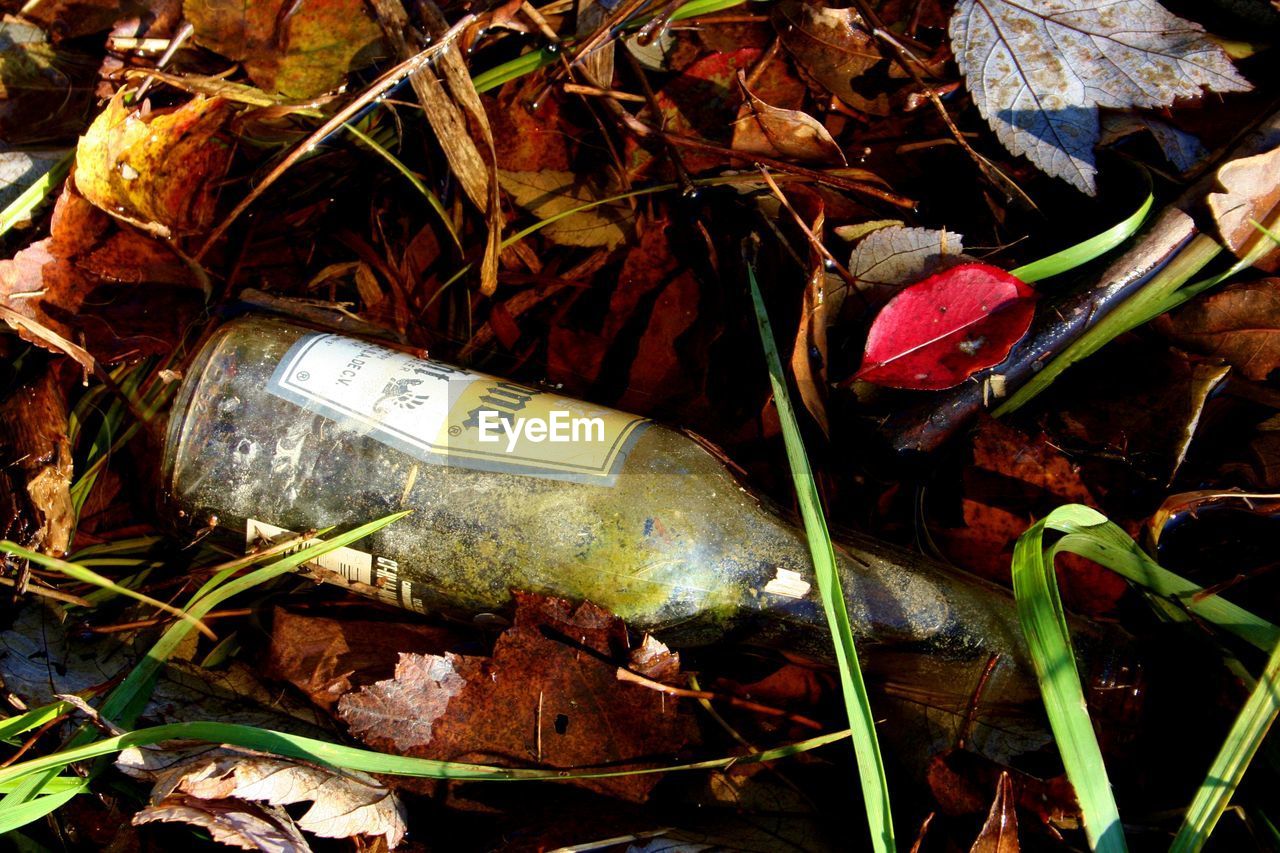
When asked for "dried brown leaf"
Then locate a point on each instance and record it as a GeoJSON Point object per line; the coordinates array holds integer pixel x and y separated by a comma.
{"type": "Point", "coordinates": [782, 134]}
{"type": "Point", "coordinates": [44, 286]}
{"type": "Point", "coordinates": [327, 658]}
{"type": "Point", "coordinates": [297, 49]}
{"type": "Point", "coordinates": [249, 826]}
{"type": "Point", "coordinates": [1039, 71]}
{"type": "Point", "coordinates": [834, 47]}
{"type": "Point", "coordinates": [156, 170]}
{"type": "Point", "coordinates": [1240, 324]}
{"type": "Point", "coordinates": [1000, 831]}
{"type": "Point", "coordinates": [1251, 193]}
{"type": "Point", "coordinates": [344, 803]}
{"type": "Point", "coordinates": [548, 193]}
{"type": "Point", "coordinates": [548, 696]}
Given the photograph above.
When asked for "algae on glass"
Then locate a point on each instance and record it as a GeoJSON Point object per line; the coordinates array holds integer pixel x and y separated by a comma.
{"type": "Point", "coordinates": [278, 427]}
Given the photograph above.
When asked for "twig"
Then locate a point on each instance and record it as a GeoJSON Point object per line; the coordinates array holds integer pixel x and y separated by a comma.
{"type": "Point", "coordinates": [48, 592]}
{"type": "Point", "coordinates": [383, 84]}
{"type": "Point", "coordinates": [684, 693]}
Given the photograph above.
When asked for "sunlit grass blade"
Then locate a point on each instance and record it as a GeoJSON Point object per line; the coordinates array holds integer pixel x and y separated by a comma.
{"type": "Point", "coordinates": [127, 699]}
{"type": "Point", "coordinates": [35, 718]}
{"type": "Point", "coordinates": [1044, 624]}
{"type": "Point", "coordinates": [1088, 533]}
{"type": "Point", "coordinates": [366, 760]}
{"type": "Point", "coordinates": [84, 575]}
{"type": "Point", "coordinates": [432, 199]}
{"type": "Point", "coordinates": [21, 208]}
{"type": "Point", "coordinates": [875, 788]}
{"type": "Point", "coordinates": [1241, 745]}
{"type": "Point", "coordinates": [1081, 253]}
{"type": "Point", "coordinates": [12, 817]}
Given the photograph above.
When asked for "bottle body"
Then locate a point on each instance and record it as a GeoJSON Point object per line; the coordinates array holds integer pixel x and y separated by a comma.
{"type": "Point", "coordinates": [638, 518]}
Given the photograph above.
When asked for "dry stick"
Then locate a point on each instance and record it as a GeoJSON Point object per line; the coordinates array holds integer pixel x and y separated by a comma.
{"type": "Point", "coordinates": [814, 241]}
{"type": "Point", "coordinates": [1062, 322]}
{"type": "Point", "coordinates": [828, 178]}
{"type": "Point", "coordinates": [906, 61]}
{"type": "Point", "coordinates": [383, 84]}
{"type": "Point", "coordinates": [48, 592]}
{"type": "Point", "coordinates": [683, 692]}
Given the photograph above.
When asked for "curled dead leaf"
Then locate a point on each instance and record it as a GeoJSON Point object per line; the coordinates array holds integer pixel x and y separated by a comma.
{"type": "Point", "coordinates": [1251, 193]}
{"type": "Point", "coordinates": [158, 170]}
{"type": "Point", "coordinates": [770, 131]}
{"type": "Point", "coordinates": [237, 823]}
{"type": "Point", "coordinates": [344, 803]}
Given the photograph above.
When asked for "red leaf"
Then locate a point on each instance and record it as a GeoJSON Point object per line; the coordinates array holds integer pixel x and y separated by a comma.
{"type": "Point", "coordinates": [939, 331]}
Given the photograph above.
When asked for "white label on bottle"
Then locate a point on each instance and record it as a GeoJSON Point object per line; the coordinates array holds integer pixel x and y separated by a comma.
{"type": "Point", "coordinates": [351, 564]}
{"type": "Point", "coordinates": [448, 416]}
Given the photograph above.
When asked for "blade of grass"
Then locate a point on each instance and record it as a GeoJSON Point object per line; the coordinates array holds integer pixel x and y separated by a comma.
{"type": "Point", "coordinates": [366, 760]}
{"type": "Point", "coordinates": [130, 695]}
{"type": "Point", "coordinates": [875, 789]}
{"type": "Point", "coordinates": [84, 575]}
{"type": "Point", "coordinates": [20, 209]}
{"type": "Point", "coordinates": [432, 199]}
{"type": "Point", "coordinates": [33, 719]}
{"type": "Point", "coordinates": [1228, 768]}
{"type": "Point", "coordinates": [24, 813]}
{"type": "Point", "coordinates": [1044, 624]}
{"type": "Point", "coordinates": [1081, 253]}
{"type": "Point", "coordinates": [1088, 533]}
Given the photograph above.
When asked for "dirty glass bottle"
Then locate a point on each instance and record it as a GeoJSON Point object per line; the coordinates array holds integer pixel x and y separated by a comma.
{"type": "Point", "coordinates": [280, 427]}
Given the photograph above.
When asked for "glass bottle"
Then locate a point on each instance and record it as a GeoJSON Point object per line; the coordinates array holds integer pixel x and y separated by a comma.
{"type": "Point", "coordinates": [280, 427]}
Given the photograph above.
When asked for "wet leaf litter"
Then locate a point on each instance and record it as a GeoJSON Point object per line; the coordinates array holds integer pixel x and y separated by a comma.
{"type": "Point", "coordinates": [560, 206]}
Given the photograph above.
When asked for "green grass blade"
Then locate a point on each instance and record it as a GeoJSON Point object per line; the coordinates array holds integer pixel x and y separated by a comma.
{"type": "Point", "coordinates": [80, 573]}
{"type": "Point", "coordinates": [875, 789]}
{"type": "Point", "coordinates": [366, 760]}
{"type": "Point", "coordinates": [1242, 743]}
{"type": "Point", "coordinates": [1132, 313]}
{"type": "Point", "coordinates": [432, 199]}
{"type": "Point", "coordinates": [1044, 624]}
{"type": "Point", "coordinates": [126, 700]}
{"type": "Point", "coordinates": [1082, 253]}
{"type": "Point", "coordinates": [12, 817]}
{"type": "Point", "coordinates": [57, 785]}
{"type": "Point", "coordinates": [1088, 533]}
{"type": "Point", "coordinates": [20, 209]}
{"type": "Point", "coordinates": [33, 719]}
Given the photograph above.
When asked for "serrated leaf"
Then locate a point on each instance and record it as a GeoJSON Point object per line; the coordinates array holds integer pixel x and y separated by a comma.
{"type": "Point", "coordinates": [1038, 72]}
{"type": "Point", "coordinates": [890, 257]}
{"type": "Point", "coordinates": [938, 332]}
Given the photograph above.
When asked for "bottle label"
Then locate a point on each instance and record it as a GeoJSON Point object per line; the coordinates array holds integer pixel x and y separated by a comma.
{"type": "Point", "coordinates": [373, 575]}
{"type": "Point", "coordinates": [449, 416]}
